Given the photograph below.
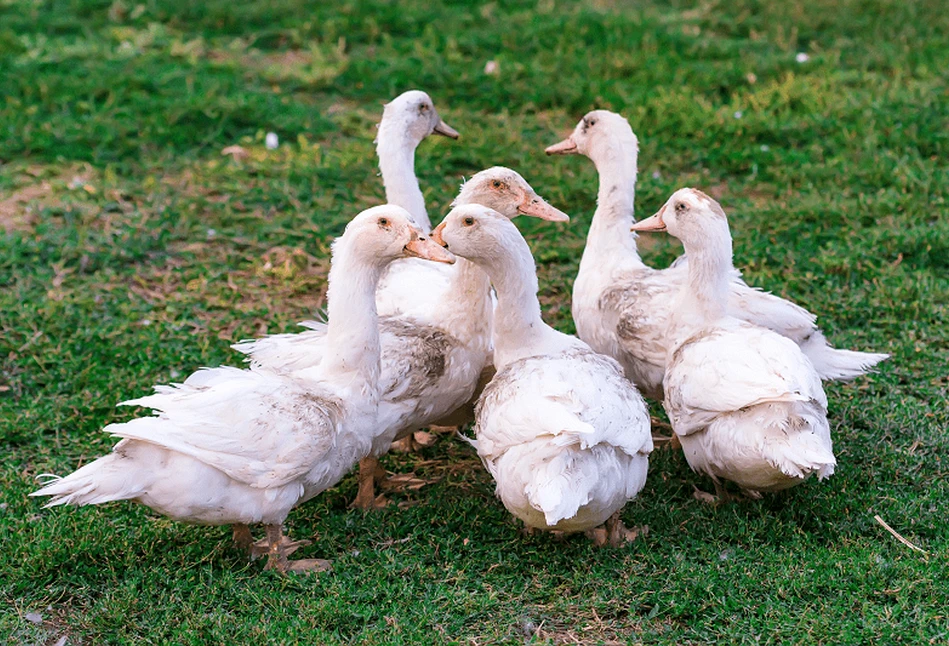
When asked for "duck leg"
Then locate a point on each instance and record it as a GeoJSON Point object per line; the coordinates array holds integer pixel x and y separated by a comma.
{"type": "Point", "coordinates": [721, 495]}
{"type": "Point", "coordinates": [598, 536]}
{"type": "Point", "coordinates": [278, 547]}
{"type": "Point", "coordinates": [407, 444]}
{"type": "Point", "coordinates": [614, 533]}
{"type": "Point", "coordinates": [243, 539]}
{"type": "Point", "coordinates": [371, 473]}
{"type": "Point", "coordinates": [618, 534]}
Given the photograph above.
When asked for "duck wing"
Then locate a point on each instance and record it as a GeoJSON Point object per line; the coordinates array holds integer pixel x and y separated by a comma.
{"type": "Point", "coordinates": [258, 429]}
{"type": "Point", "coordinates": [724, 370]}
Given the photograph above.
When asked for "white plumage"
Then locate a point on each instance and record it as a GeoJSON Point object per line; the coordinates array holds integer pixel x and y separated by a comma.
{"type": "Point", "coordinates": [232, 446]}
{"type": "Point", "coordinates": [563, 437]}
{"type": "Point", "coordinates": [745, 402]}
{"type": "Point", "coordinates": [621, 306]}
{"type": "Point", "coordinates": [563, 433]}
{"type": "Point", "coordinates": [431, 360]}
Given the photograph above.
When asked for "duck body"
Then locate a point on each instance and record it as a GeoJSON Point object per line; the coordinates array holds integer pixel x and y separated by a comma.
{"type": "Point", "coordinates": [745, 402]}
{"type": "Point", "coordinates": [238, 447]}
{"type": "Point", "coordinates": [427, 373]}
{"type": "Point", "coordinates": [748, 407]}
{"type": "Point", "coordinates": [558, 433]}
{"type": "Point", "coordinates": [564, 434]}
{"type": "Point", "coordinates": [626, 311]}
{"type": "Point", "coordinates": [232, 446]}
{"type": "Point", "coordinates": [622, 307]}
{"type": "Point", "coordinates": [623, 314]}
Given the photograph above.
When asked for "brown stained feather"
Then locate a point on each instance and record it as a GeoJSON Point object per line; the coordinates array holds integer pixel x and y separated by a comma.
{"type": "Point", "coordinates": [426, 349]}
{"type": "Point", "coordinates": [630, 300]}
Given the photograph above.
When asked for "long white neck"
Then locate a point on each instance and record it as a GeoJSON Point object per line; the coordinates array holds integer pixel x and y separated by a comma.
{"type": "Point", "coordinates": [396, 152]}
{"type": "Point", "coordinates": [519, 330]}
{"type": "Point", "coordinates": [703, 298]}
{"type": "Point", "coordinates": [610, 239]}
{"type": "Point", "coordinates": [352, 335]}
{"type": "Point", "coordinates": [469, 311]}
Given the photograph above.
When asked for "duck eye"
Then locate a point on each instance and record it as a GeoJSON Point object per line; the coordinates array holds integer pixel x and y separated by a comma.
{"type": "Point", "coordinates": [468, 221]}
{"type": "Point", "coordinates": [496, 183]}
{"type": "Point", "coordinates": [423, 107]}
{"type": "Point", "coordinates": [680, 206]}
{"type": "Point", "coordinates": [591, 122]}
{"type": "Point", "coordinates": [383, 222]}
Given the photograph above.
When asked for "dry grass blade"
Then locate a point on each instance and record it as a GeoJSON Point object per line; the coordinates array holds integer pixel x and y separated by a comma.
{"type": "Point", "coordinates": [898, 536]}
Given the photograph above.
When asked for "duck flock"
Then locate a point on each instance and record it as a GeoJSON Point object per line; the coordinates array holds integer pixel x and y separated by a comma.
{"type": "Point", "coordinates": [431, 327]}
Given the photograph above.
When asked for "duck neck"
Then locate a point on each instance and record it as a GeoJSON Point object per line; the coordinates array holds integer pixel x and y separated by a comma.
{"type": "Point", "coordinates": [396, 153]}
{"type": "Point", "coordinates": [704, 296]}
{"type": "Point", "coordinates": [467, 311]}
{"type": "Point", "coordinates": [519, 330]}
{"type": "Point", "coordinates": [609, 238]}
{"type": "Point", "coordinates": [352, 335]}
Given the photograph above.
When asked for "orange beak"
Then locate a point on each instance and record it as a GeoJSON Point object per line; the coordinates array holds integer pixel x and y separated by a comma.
{"type": "Point", "coordinates": [534, 206]}
{"type": "Point", "coordinates": [443, 129]}
{"type": "Point", "coordinates": [436, 235]}
{"type": "Point", "coordinates": [428, 249]}
{"type": "Point", "coordinates": [566, 147]}
{"type": "Point", "coordinates": [652, 223]}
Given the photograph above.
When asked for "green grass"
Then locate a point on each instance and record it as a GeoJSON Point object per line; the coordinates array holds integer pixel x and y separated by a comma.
{"type": "Point", "coordinates": [835, 178]}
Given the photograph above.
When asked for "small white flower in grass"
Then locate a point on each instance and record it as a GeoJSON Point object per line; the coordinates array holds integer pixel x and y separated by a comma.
{"type": "Point", "coordinates": [802, 57]}
{"type": "Point", "coordinates": [145, 322]}
{"type": "Point", "coordinates": [738, 114]}
{"type": "Point", "coordinates": [211, 233]}
{"type": "Point", "coordinates": [765, 148]}
{"type": "Point", "coordinates": [491, 67]}
{"type": "Point", "coordinates": [174, 374]}
{"type": "Point", "coordinates": [656, 174]}
{"type": "Point", "coordinates": [271, 141]}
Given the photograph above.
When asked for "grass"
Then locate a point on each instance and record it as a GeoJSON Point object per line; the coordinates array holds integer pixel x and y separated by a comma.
{"type": "Point", "coordinates": [135, 252]}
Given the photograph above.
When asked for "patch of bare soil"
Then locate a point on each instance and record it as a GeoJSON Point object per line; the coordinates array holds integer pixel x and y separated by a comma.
{"type": "Point", "coordinates": [41, 187]}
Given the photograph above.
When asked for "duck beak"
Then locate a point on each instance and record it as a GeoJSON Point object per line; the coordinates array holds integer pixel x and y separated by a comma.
{"type": "Point", "coordinates": [443, 129]}
{"type": "Point", "coordinates": [652, 223]}
{"type": "Point", "coordinates": [436, 235]}
{"type": "Point", "coordinates": [566, 147]}
{"type": "Point", "coordinates": [534, 206]}
{"type": "Point", "coordinates": [428, 249]}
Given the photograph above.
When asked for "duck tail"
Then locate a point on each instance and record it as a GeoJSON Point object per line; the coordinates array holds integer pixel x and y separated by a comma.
{"type": "Point", "coordinates": [560, 488]}
{"type": "Point", "coordinates": [103, 480]}
{"type": "Point", "coordinates": [800, 444]}
{"type": "Point", "coordinates": [838, 365]}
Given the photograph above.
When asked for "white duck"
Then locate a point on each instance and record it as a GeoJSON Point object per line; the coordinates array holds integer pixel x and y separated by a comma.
{"type": "Point", "coordinates": [430, 365]}
{"type": "Point", "coordinates": [621, 306]}
{"type": "Point", "coordinates": [564, 434]}
{"type": "Point", "coordinates": [237, 447]}
{"type": "Point", "coordinates": [745, 402]}
{"type": "Point", "coordinates": [409, 286]}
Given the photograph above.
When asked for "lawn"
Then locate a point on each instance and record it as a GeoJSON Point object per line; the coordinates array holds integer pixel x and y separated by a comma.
{"type": "Point", "coordinates": [135, 252]}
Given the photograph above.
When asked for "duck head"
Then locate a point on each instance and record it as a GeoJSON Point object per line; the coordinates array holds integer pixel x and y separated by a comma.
{"type": "Point", "coordinates": [477, 233]}
{"type": "Point", "coordinates": [414, 113]}
{"type": "Point", "coordinates": [596, 133]}
{"type": "Point", "coordinates": [386, 233]}
{"type": "Point", "coordinates": [505, 191]}
{"type": "Point", "coordinates": [690, 215]}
